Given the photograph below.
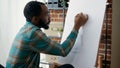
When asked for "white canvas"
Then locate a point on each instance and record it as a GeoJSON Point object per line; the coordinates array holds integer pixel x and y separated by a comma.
{"type": "Point", "coordinates": [84, 52]}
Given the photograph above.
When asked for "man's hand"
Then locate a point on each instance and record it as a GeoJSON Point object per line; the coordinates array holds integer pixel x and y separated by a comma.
{"type": "Point", "coordinates": [54, 65]}
{"type": "Point", "coordinates": [80, 19]}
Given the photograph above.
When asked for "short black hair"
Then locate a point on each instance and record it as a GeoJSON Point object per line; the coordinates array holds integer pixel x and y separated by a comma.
{"type": "Point", "coordinates": [32, 8]}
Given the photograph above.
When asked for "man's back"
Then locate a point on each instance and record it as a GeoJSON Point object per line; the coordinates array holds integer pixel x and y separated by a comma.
{"type": "Point", "coordinates": [21, 55]}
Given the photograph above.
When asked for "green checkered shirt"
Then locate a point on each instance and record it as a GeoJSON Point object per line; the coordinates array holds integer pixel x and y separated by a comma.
{"type": "Point", "coordinates": [30, 42]}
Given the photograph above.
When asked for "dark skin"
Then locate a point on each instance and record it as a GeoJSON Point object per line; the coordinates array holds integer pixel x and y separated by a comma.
{"type": "Point", "coordinates": [44, 19]}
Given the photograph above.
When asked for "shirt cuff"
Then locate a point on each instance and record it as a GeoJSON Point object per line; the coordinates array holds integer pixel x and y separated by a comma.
{"type": "Point", "coordinates": [75, 31]}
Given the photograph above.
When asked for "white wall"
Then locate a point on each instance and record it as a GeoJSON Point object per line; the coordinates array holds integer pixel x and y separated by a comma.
{"type": "Point", "coordinates": [115, 58]}
{"type": "Point", "coordinates": [11, 19]}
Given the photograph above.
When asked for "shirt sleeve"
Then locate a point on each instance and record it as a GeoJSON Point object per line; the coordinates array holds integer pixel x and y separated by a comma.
{"type": "Point", "coordinates": [43, 44]}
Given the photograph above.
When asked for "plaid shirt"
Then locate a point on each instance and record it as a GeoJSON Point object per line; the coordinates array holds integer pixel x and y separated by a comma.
{"type": "Point", "coordinates": [30, 42]}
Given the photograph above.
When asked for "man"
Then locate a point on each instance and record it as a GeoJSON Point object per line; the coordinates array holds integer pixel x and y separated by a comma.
{"type": "Point", "coordinates": [31, 41]}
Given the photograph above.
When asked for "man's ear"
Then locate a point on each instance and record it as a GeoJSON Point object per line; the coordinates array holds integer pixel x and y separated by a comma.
{"type": "Point", "coordinates": [35, 19]}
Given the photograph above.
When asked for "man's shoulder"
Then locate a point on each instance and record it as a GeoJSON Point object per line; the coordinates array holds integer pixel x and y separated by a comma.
{"type": "Point", "coordinates": [27, 31]}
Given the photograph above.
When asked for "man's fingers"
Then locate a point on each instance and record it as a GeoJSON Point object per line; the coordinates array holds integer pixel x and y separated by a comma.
{"type": "Point", "coordinates": [81, 13]}
{"type": "Point", "coordinates": [86, 17]}
{"type": "Point", "coordinates": [77, 15]}
{"type": "Point", "coordinates": [82, 16]}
